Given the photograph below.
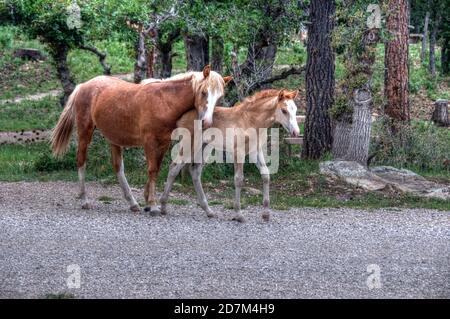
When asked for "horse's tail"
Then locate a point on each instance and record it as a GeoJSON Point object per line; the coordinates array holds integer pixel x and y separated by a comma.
{"type": "Point", "coordinates": [62, 132]}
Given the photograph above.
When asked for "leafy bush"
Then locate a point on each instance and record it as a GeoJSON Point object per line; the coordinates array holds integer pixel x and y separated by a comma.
{"type": "Point", "coordinates": [420, 145]}
{"type": "Point", "coordinates": [6, 37]}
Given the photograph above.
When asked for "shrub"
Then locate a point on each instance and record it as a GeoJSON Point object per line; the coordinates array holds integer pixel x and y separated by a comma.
{"type": "Point", "coordinates": [420, 145]}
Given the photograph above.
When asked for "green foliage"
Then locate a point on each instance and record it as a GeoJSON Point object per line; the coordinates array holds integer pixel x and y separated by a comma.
{"type": "Point", "coordinates": [42, 114]}
{"type": "Point", "coordinates": [419, 146]}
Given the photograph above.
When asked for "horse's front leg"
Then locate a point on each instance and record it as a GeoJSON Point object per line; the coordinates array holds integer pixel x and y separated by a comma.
{"type": "Point", "coordinates": [154, 154]}
{"type": "Point", "coordinates": [264, 171]}
{"type": "Point", "coordinates": [195, 170]}
{"type": "Point", "coordinates": [238, 183]}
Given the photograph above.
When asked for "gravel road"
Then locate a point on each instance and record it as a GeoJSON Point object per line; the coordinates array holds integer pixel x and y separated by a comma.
{"type": "Point", "coordinates": [300, 253]}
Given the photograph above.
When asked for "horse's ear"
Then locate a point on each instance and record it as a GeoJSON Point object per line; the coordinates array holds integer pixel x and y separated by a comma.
{"type": "Point", "coordinates": [227, 79]}
{"type": "Point", "coordinates": [206, 70]}
{"type": "Point", "coordinates": [292, 95]}
{"type": "Point", "coordinates": [281, 95]}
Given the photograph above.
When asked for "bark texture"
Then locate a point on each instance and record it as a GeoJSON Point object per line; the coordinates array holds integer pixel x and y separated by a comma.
{"type": "Point", "coordinates": [140, 66]}
{"type": "Point", "coordinates": [217, 49]}
{"type": "Point", "coordinates": [197, 51]}
{"type": "Point", "coordinates": [440, 113]}
{"type": "Point", "coordinates": [319, 80]}
{"type": "Point", "coordinates": [59, 55]}
{"type": "Point", "coordinates": [396, 62]}
{"type": "Point", "coordinates": [165, 54]}
{"type": "Point", "coordinates": [425, 36]}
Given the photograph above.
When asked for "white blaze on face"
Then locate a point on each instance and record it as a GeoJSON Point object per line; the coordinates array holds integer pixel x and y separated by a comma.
{"type": "Point", "coordinates": [292, 110]}
{"type": "Point", "coordinates": [213, 97]}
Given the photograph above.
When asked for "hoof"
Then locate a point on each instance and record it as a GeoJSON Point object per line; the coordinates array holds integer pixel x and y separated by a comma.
{"type": "Point", "coordinates": [266, 216]}
{"type": "Point", "coordinates": [86, 206]}
{"type": "Point", "coordinates": [211, 215]}
{"type": "Point", "coordinates": [163, 211]}
{"type": "Point", "coordinates": [153, 210]}
{"type": "Point", "coordinates": [239, 218]}
{"type": "Point", "coordinates": [81, 196]}
{"type": "Point", "coordinates": [135, 208]}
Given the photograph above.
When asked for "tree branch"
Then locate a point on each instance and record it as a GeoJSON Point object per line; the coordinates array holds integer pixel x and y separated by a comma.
{"type": "Point", "coordinates": [281, 76]}
{"type": "Point", "coordinates": [101, 57]}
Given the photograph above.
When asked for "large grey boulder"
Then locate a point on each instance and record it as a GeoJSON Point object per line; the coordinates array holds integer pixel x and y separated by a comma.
{"type": "Point", "coordinates": [377, 178]}
{"type": "Point", "coordinates": [352, 173]}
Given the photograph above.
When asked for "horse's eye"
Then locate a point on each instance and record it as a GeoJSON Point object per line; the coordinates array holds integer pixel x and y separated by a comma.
{"type": "Point", "coordinates": [284, 111]}
{"type": "Point", "coordinates": [204, 93]}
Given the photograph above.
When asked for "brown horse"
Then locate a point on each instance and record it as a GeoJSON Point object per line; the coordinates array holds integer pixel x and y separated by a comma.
{"type": "Point", "coordinates": [259, 111]}
{"type": "Point", "coordinates": [133, 115]}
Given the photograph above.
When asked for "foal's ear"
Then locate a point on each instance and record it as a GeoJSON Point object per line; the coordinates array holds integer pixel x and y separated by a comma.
{"type": "Point", "coordinates": [206, 70]}
{"type": "Point", "coordinates": [281, 95]}
{"type": "Point", "coordinates": [227, 79]}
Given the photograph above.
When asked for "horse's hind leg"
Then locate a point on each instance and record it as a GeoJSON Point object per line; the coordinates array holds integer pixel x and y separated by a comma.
{"type": "Point", "coordinates": [117, 161]}
{"type": "Point", "coordinates": [85, 132]}
{"type": "Point", "coordinates": [196, 173]}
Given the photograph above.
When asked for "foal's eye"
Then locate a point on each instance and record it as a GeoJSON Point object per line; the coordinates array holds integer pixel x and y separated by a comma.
{"type": "Point", "coordinates": [284, 111]}
{"type": "Point", "coordinates": [204, 93]}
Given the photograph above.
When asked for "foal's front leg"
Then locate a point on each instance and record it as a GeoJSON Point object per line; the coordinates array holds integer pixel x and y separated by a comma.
{"type": "Point", "coordinates": [264, 171]}
{"type": "Point", "coordinates": [238, 183]}
{"type": "Point", "coordinates": [196, 172]}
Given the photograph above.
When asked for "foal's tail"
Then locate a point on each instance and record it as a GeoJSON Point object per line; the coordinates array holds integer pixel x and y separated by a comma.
{"type": "Point", "coordinates": [62, 132]}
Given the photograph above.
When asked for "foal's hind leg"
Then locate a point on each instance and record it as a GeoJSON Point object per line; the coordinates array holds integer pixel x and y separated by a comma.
{"type": "Point", "coordinates": [117, 161]}
{"type": "Point", "coordinates": [174, 170]}
{"type": "Point", "coordinates": [196, 173]}
{"type": "Point", "coordinates": [238, 183]}
{"type": "Point", "coordinates": [85, 132]}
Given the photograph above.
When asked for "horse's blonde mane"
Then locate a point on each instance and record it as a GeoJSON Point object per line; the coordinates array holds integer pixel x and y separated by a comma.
{"type": "Point", "coordinates": [213, 81]}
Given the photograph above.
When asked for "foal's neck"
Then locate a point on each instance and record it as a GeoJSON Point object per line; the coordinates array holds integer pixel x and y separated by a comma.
{"type": "Point", "coordinates": [260, 113]}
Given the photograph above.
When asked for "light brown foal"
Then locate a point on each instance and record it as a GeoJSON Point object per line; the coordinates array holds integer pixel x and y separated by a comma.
{"type": "Point", "coordinates": [133, 115]}
{"type": "Point", "coordinates": [261, 110]}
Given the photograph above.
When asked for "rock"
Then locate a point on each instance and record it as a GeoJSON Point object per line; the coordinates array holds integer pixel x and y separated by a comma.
{"type": "Point", "coordinates": [380, 177]}
{"type": "Point", "coordinates": [252, 191]}
{"type": "Point", "coordinates": [389, 170]}
{"type": "Point", "coordinates": [352, 173]}
{"type": "Point", "coordinates": [31, 54]}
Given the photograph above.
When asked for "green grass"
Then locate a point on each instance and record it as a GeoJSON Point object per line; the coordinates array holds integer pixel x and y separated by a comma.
{"type": "Point", "coordinates": [297, 184]}
{"type": "Point", "coordinates": [27, 115]}
{"type": "Point", "coordinates": [20, 77]}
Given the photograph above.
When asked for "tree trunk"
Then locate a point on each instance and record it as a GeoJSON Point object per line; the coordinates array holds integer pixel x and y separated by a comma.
{"type": "Point", "coordinates": [435, 26]}
{"type": "Point", "coordinates": [164, 62]}
{"type": "Point", "coordinates": [396, 62]}
{"type": "Point", "coordinates": [445, 56]}
{"type": "Point", "coordinates": [217, 49]}
{"type": "Point", "coordinates": [440, 114]}
{"type": "Point", "coordinates": [165, 54]}
{"type": "Point", "coordinates": [424, 38]}
{"type": "Point", "coordinates": [140, 67]}
{"type": "Point", "coordinates": [359, 136]}
{"type": "Point", "coordinates": [341, 136]}
{"type": "Point", "coordinates": [319, 80]}
{"type": "Point", "coordinates": [197, 51]}
{"type": "Point", "coordinates": [59, 55]}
